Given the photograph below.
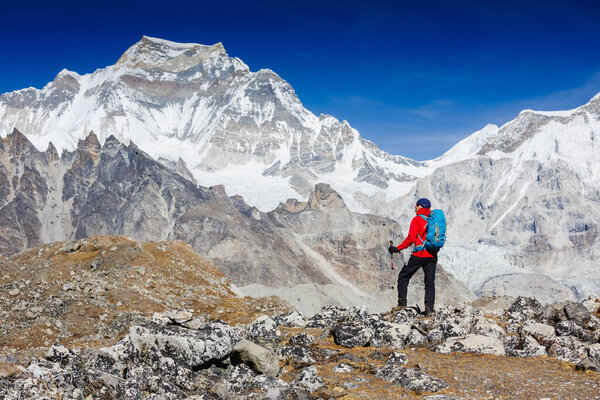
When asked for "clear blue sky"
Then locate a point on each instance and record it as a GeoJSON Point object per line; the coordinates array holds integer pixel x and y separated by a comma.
{"type": "Point", "coordinates": [412, 76]}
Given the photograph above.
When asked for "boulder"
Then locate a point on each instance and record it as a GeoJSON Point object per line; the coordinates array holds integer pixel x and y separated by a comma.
{"type": "Point", "coordinates": [472, 344]}
{"type": "Point", "coordinates": [309, 379]}
{"type": "Point", "coordinates": [263, 330]}
{"type": "Point", "coordinates": [303, 339]}
{"type": "Point", "coordinates": [214, 341]}
{"type": "Point", "coordinates": [290, 319]}
{"type": "Point", "coordinates": [592, 303]}
{"type": "Point", "coordinates": [297, 354]}
{"type": "Point", "coordinates": [256, 357]}
{"type": "Point", "coordinates": [537, 330]}
{"type": "Point", "coordinates": [342, 367]}
{"type": "Point", "coordinates": [396, 358]}
{"type": "Point", "coordinates": [176, 317]}
{"type": "Point", "coordinates": [411, 379]}
{"type": "Point", "coordinates": [270, 387]}
{"type": "Point", "coordinates": [524, 308]}
{"type": "Point", "coordinates": [588, 364]}
{"type": "Point", "coordinates": [577, 312]}
{"type": "Point", "coordinates": [484, 326]}
{"type": "Point", "coordinates": [352, 334]}
{"type": "Point", "coordinates": [389, 334]}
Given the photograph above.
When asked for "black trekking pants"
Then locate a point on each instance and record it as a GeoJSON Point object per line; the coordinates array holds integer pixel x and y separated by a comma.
{"type": "Point", "coordinates": [414, 263]}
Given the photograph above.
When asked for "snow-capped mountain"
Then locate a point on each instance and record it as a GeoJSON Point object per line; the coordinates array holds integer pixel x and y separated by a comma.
{"type": "Point", "coordinates": [521, 199]}
{"type": "Point", "coordinates": [245, 130]}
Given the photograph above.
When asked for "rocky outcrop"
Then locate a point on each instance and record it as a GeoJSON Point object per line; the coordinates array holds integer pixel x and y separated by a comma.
{"type": "Point", "coordinates": [175, 357]}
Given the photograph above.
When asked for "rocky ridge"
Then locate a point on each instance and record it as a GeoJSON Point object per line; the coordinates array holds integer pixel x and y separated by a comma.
{"type": "Point", "coordinates": [338, 353]}
{"type": "Point", "coordinates": [311, 253]}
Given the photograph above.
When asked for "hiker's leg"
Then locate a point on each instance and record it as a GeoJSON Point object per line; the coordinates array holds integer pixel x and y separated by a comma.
{"type": "Point", "coordinates": [429, 268]}
{"type": "Point", "coordinates": [404, 277]}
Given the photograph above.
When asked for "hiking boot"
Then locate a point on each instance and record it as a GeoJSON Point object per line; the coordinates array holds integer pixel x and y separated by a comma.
{"type": "Point", "coordinates": [397, 308]}
{"type": "Point", "coordinates": [428, 312]}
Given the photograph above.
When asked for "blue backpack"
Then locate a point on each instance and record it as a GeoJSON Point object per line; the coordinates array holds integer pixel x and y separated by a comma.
{"type": "Point", "coordinates": [436, 231]}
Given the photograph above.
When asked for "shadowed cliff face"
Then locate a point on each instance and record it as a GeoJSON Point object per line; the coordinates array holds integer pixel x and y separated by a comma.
{"type": "Point", "coordinates": [118, 190]}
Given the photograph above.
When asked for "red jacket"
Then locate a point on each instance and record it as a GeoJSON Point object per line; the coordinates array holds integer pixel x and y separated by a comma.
{"type": "Point", "coordinates": [418, 231]}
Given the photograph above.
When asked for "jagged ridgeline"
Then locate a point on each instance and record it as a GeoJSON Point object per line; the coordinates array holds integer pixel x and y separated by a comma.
{"type": "Point", "coordinates": [310, 253]}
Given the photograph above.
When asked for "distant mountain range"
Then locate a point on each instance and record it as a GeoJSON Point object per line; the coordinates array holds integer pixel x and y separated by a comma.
{"type": "Point", "coordinates": [521, 199]}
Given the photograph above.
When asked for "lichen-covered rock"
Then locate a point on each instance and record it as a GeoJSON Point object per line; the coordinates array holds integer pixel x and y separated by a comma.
{"type": "Point", "coordinates": [256, 357]}
{"type": "Point", "coordinates": [588, 364]}
{"type": "Point", "coordinates": [240, 378]}
{"type": "Point", "coordinates": [524, 308]}
{"type": "Point", "coordinates": [352, 334]}
{"type": "Point", "coordinates": [297, 354]}
{"type": "Point", "coordinates": [537, 330]}
{"type": "Point", "coordinates": [577, 312]}
{"type": "Point", "coordinates": [472, 344]}
{"type": "Point", "coordinates": [568, 328]}
{"type": "Point", "coordinates": [328, 317]}
{"type": "Point", "coordinates": [484, 326]}
{"type": "Point", "coordinates": [192, 348]}
{"type": "Point", "coordinates": [263, 330]}
{"type": "Point", "coordinates": [566, 348]}
{"type": "Point", "coordinates": [411, 379]}
{"type": "Point", "coordinates": [172, 317]}
{"type": "Point", "coordinates": [290, 319]}
{"type": "Point", "coordinates": [309, 379]}
{"type": "Point", "coordinates": [60, 354]}
{"type": "Point", "coordinates": [396, 358]}
{"type": "Point", "coordinates": [389, 334]}
{"type": "Point", "coordinates": [302, 339]}
{"type": "Point", "coordinates": [416, 338]}
{"type": "Point", "coordinates": [342, 368]}
{"type": "Point", "coordinates": [269, 387]}
{"type": "Point", "coordinates": [592, 303]}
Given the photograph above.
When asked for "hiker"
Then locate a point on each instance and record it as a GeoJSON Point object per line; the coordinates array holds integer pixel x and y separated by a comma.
{"type": "Point", "coordinates": [420, 258]}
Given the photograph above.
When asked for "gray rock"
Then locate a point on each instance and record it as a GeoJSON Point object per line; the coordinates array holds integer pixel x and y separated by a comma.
{"type": "Point", "coordinates": [352, 334]}
{"type": "Point", "coordinates": [411, 379]}
{"type": "Point", "coordinates": [524, 308]}
{"type": "Point", "coordinates": [303, 339]}
{"type": "Point", "coordinates": [566, 348]}
{"type": "Point", "coordinates": [309, 379]}
{"type": "Point", "coordinates": [263, 330]}
{"type": "Point", "coordinates": [568, 328]}
{"type": "Point", "coordinates": [269, 387]}
{"type": "Point", "coordinates": [213, 341]}
{"type": "Point", "coordinates": [577, 312]}
{"type": "Point", "coordinates": [483, 326]}
{"type": "Point", "coordinates": [173, 317]}
{"type": "Point", "coordinates": [472, 344]}
{"type": "Point", "coordinates": [256, 357]}
{"type": "Point", "coordinates": [592, 303]}
{"type": "Point", "coordinates": [588, 364]}
{"type": "Point", "coordinates": [537, 330]}
{"type": "Point", "coordinates": [389, 334]}
{"type": "Point", "coordinates": [416, 338]}
{"type": "Point", "coordinates": [240, 378]}
{"type": "Point", "coordinates": [60, 354]}
{"type": "Point", "coordinates": [343, 368]}
{"type": "Point", "coordinates": [297, 354]}
{"type": "Point", "coordinates": [291, 319]}
{"type": "Point", "coordinates": [396, 358]}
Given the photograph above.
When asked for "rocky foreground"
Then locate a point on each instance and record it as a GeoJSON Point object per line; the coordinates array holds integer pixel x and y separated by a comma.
{"type": "Point", "coordinates": [492, 348]}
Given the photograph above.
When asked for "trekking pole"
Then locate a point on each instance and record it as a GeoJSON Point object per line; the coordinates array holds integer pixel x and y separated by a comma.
{"type": "Point", "coordinates": [392, 255]}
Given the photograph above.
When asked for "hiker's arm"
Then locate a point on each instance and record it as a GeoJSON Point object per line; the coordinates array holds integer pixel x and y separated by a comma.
{"type": "Point", "coordinates": [412, 235]}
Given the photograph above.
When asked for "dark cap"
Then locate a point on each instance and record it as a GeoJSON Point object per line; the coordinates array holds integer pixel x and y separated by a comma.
{"type": "Point", "coordinates": [424, 203]}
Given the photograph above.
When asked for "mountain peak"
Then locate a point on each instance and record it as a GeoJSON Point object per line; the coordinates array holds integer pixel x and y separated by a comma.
{"type": "Point", "coordinates": [153, 52]}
